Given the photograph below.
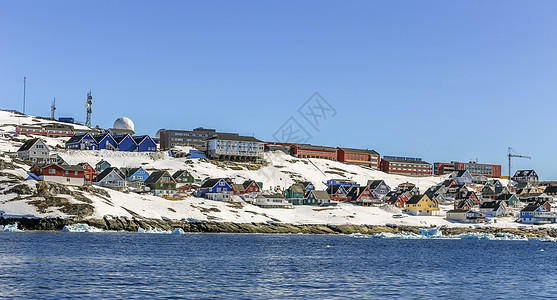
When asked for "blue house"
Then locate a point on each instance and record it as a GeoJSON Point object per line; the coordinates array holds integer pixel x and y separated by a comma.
{"type": "Point", "coordinates": [216, 185]}
{"type": "Point", "coordinates": [84, 141]}
{"type": "Point", "coordinates": [536, 214]}
{"type": "Point", "coordinates": [462, 176]}
{"type": "Point", "coordinates": [308, 186]}
{"type": "Point", "coordinates": [125, 142]}
{"type": "Point", "coordinates": [102, 165]}
{"type": "Point", "coordinates": [145, 143]}
{"type": "Point", "coordinates": [135, 174]}
{"type": "Point", "coordinates": [105, 141]}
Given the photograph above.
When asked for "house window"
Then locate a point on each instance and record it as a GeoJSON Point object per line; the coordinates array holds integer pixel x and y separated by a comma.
{"type": "Point", "coordinates": [51, 171]}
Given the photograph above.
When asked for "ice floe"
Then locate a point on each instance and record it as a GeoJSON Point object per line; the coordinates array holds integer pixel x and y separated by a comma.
{"type": "Point", "coordinates": [161, 231]}
{"type": "Point", "coordinates": [80, 228]}
{"type": "Point", "coordinates": [10, 228]}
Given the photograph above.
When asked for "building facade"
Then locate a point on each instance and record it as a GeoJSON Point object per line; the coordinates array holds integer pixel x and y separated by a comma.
{"type": "Point", "coordinates": [196, 138]}
{"type": "Point", "coordinates": [406, 166]}
{"type": "Point", "coordinates": [311, 151]}
{"type": "Point", "coordinates": [362, 157]}
{"type": "Point", "coordinates": [233, 147]}
{"type": "Point", "coordinates": [488, 170]}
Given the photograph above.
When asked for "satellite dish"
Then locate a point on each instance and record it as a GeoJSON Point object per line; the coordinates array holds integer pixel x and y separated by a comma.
{"type": "Point", "coordinates": [87, 105]}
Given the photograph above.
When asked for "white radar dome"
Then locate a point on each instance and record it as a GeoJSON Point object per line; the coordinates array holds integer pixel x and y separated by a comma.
{"type": "Point", "coordinates": [124, 123]}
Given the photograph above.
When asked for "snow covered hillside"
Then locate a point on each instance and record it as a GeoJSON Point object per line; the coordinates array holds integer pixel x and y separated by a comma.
{"type": "Point", "coordinates": [20, 197]}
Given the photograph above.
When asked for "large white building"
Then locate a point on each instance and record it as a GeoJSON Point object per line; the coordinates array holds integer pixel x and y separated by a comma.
{"type": "Point", "coordinates": [229, 146]}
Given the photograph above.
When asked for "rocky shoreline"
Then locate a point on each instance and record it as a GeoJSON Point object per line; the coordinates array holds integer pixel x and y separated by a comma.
{"type": "Point", "coordinates": [132, 225]}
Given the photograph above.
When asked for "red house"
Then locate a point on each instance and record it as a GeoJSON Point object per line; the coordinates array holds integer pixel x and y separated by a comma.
{"type": "Point", "coordinates": [251, 186]}
{"type": "Point", "coordinates": [64, 174]}
{"type": "Point", "coordinates": [89, 171]}
{"type": "Point", "coordinates": [363, 157]}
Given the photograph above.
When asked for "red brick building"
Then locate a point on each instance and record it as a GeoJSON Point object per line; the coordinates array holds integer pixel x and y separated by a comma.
{"type": "Point", "coordinates": [311, 151]}
{"type": "Point", "coordinates": [362, 157]}
{"type": "Point", "coordinates": [406, 166]}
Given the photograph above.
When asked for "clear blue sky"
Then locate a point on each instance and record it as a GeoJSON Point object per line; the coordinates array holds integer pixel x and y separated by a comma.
{"type": "Point", "coordinates": [441, 80]}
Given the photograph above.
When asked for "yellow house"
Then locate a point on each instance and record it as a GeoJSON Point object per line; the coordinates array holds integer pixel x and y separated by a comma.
{"type": "Point", "coordinates": [422, 205]}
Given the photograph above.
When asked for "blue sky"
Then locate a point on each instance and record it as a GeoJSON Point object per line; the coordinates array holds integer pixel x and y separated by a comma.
{"type": "Point", "coordinates": [441, 80]}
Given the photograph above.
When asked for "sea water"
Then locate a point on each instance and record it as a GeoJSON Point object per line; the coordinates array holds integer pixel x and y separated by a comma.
{"type": "Point", "coordinates": [264, 266]}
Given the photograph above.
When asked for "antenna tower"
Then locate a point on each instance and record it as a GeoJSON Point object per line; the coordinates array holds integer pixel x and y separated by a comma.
{"type": "Point", "coordinates": [24, 86]}
{"type": "Point", "coordinates": [53, 109]}
{"type": "Point", "coordinates": [89, 109]}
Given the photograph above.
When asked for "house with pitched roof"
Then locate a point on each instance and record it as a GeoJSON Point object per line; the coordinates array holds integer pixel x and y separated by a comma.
{"type": "Point", "coordinates": [82, 141]}
{"type": "Point", "coordinates": [320, 198]}
{"type": "Point", "coordinates": [525, 176]}
{"type": "Point", "coordinates": [215, 185]}
{"type": "Point", "coordinates": [337, 192]}
{"type": "Point", "coordinates": [125, 142]}
{"type": "Point", "coordinates": [493, 208]}
{"type": "Point", "coordinates": [422, 205]}
{"type": "Point", "coordinates": [295, 194]}
{"type": "Point", "coordinates": [37, 151]}
{"type": "Point", "coordinates": [536, 213]}
{"type": "Point", "coordinates": [102, 165]}
{"type": "Point", "coordinates": [135, 174]}
{"type": "Point", "coordinates": [105, 141]}
{"type": "Point", "coordinates": [111, 177]}
{"type": "Point", "coordinates": [308, 186]}
{"type": "Point", "coordinates": [144, 143]}
{"type": "Point", "coordinates": [465, 216]}
{"type": "Point", "coordinates": [161, 183]}
{"type": "Point", "coordinates": [89, 172]}
{"type": "Point", "coordinates": [64, 174]}
{"type": "Point", "coordinates": [379, 188]}
{"type": "Point", "coordinates": [251, 187]}
{"type": "Point", "coordinates": [361, 195]}
{"type": "Point", "coordinates": [183, 176]}
{"type": "Point", "coordinates": [462, 176]}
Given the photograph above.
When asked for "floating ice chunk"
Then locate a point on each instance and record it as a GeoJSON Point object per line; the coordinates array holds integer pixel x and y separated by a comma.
{"type": "Point", "coordinates": [80, 228]}
{"type": "Point", "coordinates": [402, 235]}
{"type": "Point", "coordinates": [430, 232]}
{"type": "Point", "coordinates": [178, 231]}
{"type": "Point", "coordinates": [153, 230]}
{"type": "Point", "coordinates": [10, 228]}
{"type": "Point", "coordinates": [547, 238]}
{"type": "Point", "coordinates": [475, 236]}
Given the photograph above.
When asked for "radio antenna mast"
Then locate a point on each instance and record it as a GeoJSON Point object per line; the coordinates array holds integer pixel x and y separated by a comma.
{"type": "Point", "coordinates": [53, 109]}
{"type": "Point", "coordinates": [24, 86]}
{"type": "Point", "coordinates": [89, 109]}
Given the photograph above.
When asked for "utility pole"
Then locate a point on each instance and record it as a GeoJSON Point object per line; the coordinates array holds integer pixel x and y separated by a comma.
{"type": "Point", "coordinates": [24, 86]}
{"type": "Point", "coordinates": [510, 155]}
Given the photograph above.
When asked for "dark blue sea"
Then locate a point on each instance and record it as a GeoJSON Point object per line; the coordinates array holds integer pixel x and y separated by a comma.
{"type": "Point", "coordinates": [256, 266]}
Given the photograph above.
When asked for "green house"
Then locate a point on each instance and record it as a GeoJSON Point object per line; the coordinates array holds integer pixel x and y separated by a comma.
{"type": "Point", "coordinates": [295, 194]}
{"type": "Point", "coordinates": [161, 183]}
{"type": "Point", "coordinates": [183, 176]}
{"type": "Point", "coordinates": [509, 199]}
{"type": "Point", "coordinates": [320, 198]}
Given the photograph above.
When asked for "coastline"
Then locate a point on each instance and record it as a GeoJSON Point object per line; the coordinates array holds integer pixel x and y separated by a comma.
{"type": "Point", "coordinates": [132, 225]}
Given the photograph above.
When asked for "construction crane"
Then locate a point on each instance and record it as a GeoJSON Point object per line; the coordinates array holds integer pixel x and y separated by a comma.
{"type": "Point", "coordinates": [511, 155]}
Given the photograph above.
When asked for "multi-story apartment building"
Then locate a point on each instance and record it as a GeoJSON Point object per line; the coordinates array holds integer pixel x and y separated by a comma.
{"type": "Point", "coordinates": [406, 166]}
{"type": "Point", "coordinates": [234, 147]}
{"type": "Point", "coordinates": [362, 157]}
{"type": "Point", "coordinates": [311, 151]}
{"type": "Point", "coordinates": [488, 170]}
{"type": "Point", "coordinates": [197, 138]}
